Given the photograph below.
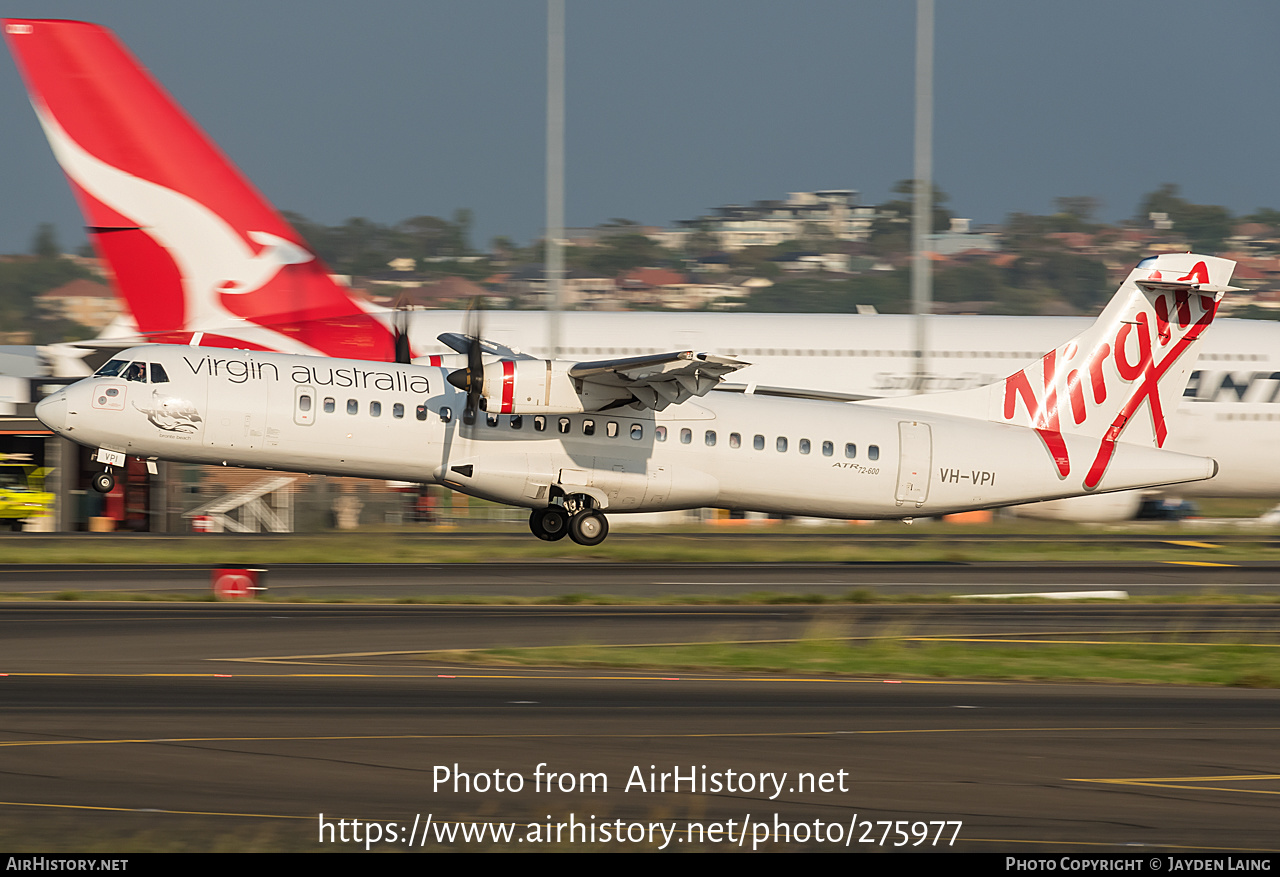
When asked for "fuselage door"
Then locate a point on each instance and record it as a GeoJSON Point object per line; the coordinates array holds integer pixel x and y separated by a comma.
{"type": "Point", "coordinates": [304, 406]}
{"type": "Point", "coordinates": [915, 462]}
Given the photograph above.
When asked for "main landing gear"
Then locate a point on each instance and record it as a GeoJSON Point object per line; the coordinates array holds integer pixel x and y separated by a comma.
{"type": "Point", "coordinates": [584, 525]}
{"type": "Point", "coordinates": [588, 527]}
{"type": "Point", "coordinates": [550, 524]}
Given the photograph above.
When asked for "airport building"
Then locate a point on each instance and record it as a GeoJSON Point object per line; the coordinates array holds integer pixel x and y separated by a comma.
{"type": "Point", "coordinates": [835, 212]}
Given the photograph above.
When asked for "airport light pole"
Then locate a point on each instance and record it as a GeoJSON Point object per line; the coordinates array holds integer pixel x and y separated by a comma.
{"type": "Point", "coordinates": [922, 214]}
{"type": "Point", "coordinates": [553, 258]}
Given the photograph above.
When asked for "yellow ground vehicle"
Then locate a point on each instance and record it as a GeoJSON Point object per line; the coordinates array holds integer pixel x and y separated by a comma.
{"type": "Point", "coordinates": [22, 493]}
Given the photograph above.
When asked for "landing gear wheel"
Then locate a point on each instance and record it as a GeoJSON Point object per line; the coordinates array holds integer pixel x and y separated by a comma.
{"type": "Point", "coordinates": [549, 524]}
{"type": "Point", "coordinates": [103, 482]}
{"type": "Point", "coordinates": [588, 528]}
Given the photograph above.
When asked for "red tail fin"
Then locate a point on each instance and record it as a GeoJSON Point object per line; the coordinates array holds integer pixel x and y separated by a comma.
{"type": "Point", "coordinates": [194, 247]}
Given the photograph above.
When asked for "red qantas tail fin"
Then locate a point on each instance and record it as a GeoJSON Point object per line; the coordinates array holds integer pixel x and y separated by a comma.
{"type": "Point", "coordinates": [194, 247]}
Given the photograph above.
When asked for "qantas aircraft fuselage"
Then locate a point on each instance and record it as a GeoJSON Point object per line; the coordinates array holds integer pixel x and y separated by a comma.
{"type": "Point", "coordinates": [1230, 407]}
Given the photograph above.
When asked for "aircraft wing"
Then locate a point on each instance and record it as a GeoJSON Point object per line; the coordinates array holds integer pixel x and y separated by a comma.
{"type": "Point", "coordinates": [659, 380]}
{"type": "Point", "coordinates": [462, 343]}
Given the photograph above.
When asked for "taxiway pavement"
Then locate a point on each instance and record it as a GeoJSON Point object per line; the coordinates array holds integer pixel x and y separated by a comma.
{"type": "Point", "coordinates": [162, 727]}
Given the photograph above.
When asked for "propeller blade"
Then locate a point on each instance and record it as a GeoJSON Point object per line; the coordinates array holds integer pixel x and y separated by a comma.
{"type": "Point", "coordinates": [475, 362]}
{"type": "Point", "coordinates": [400, 332]}
{"type": "Point", "coordinates": [404, 354]}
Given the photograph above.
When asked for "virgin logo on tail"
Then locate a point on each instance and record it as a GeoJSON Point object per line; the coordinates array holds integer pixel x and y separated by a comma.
{"type": "Point", "coordinates": [1198, 274]}
{"type": "Point", "coordinates": [1138, 354]}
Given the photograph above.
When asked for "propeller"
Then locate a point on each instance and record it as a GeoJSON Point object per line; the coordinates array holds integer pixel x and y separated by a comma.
{"type": "Point", "coordinates": [470, 379]}
{"type": "Point", "coordinates": [400, 332]}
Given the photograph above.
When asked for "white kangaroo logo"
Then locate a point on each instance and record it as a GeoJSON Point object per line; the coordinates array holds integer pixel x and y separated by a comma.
{"type": "Point", "coordinates": [211, 257]}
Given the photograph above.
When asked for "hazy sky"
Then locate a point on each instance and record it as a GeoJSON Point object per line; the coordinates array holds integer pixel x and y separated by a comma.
{"type": "Point", "coordinates": [394, 109]}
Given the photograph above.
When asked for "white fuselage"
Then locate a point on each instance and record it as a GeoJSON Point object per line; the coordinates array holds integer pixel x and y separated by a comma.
{"type": "Point", "coordinates": [403, 422]}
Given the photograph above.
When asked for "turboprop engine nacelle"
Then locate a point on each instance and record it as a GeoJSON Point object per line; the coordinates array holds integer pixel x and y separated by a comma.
{"type": "Point", "coordinates": [543, 386]}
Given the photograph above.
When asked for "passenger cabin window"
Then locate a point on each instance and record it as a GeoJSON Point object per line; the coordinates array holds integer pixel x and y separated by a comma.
{"type": "Point", "coordinates": [758, 443]}
{"type": "Point", "coordinates": [375, 409]}
{"type": "Point", "coordinates": [397, 410]}
{"type": "Point", "coordinates": [804, 446]}
{"type": "Point", "coordinates": [660, 433]}
{"type": "Point", "coordinates": [158, 375]}
{"type": "Point", "coordinates": [329, 405]}
{"type": "Point", "coordinates": [873, 452]}
{"type": "Point", "coordinates": [850, 451]}
{"type": "Point", "coordinates": [710, 438]}
{"type": "Point", "coordinates": [735, 440]}
{"type": "Point", "coordinates": [446, 414]}
{"type": "Point", "coordinates": [517, 421]}
{"type": "Point", "coordinates": [304, 402]}
{"type": "Point", "coordinates": [421, 412]}
{"type": "Point", "coordinates": [588, 427]}
{"type": "Point", "coordinates": [686, 436]}
{"type": "Point", "coordinates": [491, 419]}
{"type": "Point", "coordinates": [563, 425]}
{"type": "Point", "coordinates": [637, 432]}
{"type": "Point", "coordinates": [781, 444]}
{"type": "Point", "coordinates": [539, 423]}
{"type": "Point", "coordinates": [828, 449]}
{"type": "Point", "coordinates": [353, 407]}
{"type": "Point", "coordinates": [611, 429]}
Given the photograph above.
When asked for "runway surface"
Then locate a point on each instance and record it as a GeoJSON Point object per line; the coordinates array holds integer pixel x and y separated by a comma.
{"type": "Point", "coordinates": [234, 727]}
{"type": "Point", "coordinates": [536, 579]}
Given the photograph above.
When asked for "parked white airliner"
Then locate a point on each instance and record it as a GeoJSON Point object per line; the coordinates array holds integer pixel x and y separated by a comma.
{"type": "Point", "coordinates": [1230, 407]}
{"type": "Point", "coordinates": [571, 441]}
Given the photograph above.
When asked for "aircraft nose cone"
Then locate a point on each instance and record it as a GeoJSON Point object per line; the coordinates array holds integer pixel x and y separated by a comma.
{"type": "Point", "coordinates": [52, 411]}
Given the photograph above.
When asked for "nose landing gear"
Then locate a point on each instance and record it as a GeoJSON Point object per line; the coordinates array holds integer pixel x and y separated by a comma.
{"type": "Point", "coordinates": [104, 481]}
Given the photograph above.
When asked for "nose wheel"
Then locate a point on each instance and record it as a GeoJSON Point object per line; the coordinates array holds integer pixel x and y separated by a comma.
{"type": "Point", "coordinates": [104, 481]}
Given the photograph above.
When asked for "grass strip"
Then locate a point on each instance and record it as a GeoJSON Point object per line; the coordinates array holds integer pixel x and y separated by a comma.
{"type": "Point", "coordinates": [1252, 665]}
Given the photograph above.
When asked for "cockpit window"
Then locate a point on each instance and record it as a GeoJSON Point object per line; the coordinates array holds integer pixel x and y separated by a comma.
{"type": "Point", "coordinates": [158, 375]}
{"type": "Point", "coordinates": [137, 371]}
{"type": "Point", "coordinates": [111, 369]}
